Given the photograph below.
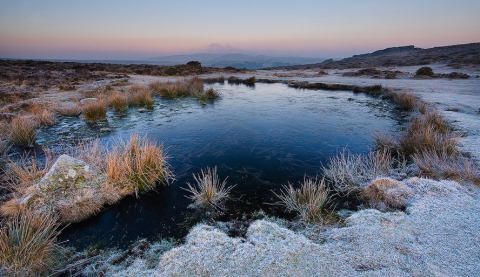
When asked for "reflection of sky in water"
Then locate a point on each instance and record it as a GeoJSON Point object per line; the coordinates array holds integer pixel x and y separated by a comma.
{"type": "Point", "coordinates": [261, 138]}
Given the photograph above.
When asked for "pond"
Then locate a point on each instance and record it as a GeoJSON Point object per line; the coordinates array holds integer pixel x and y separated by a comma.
{"type": "Point", "coordinates": [260, 137]}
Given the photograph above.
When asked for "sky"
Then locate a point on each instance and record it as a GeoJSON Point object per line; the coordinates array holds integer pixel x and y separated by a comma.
{"type": "Point", "coordinates": [123, 29]}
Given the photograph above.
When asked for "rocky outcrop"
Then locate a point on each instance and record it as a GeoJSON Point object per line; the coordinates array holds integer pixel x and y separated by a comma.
{"type": "Point", "coordinates": [71, 190]}
{"type": "Point", "coordinates": [437, 235]}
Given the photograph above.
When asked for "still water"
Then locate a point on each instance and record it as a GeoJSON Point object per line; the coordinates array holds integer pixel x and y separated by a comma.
{"type": "Point", "coordinates": [259, 137]}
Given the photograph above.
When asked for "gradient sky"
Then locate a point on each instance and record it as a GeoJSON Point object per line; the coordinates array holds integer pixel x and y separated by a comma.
{"type": "Point", "coordinates": [115, 29]}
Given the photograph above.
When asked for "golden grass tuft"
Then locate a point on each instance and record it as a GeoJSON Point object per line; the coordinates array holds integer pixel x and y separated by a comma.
{"type": "Point", "coordinates": [42, 114]}
{"type": "Point", "coordinates": [13, 207]}
{"type": "Point", "coordinates": [309, 201]}
{"type": "Point", "coordinates": [28, 245]}
{"type": "Point", "coordinates": [443, 165]}
{"type": "Point", "coordinates": [406, 101]}
{"type": "Point", "coordinates": [94, 111]}
{"type": "Point", "coordinates": [184, 88]}
{"type": "Point", "coordinates": [428, 132]}
{"type": "Point", "coordinates": [118, 101]}
{"type": "Point", "coordinates": [140, 96]}
{"type": "Point", "coordinates": [209, 191]}
{"type": "Point", "coordinates": [136, 166]}
{"type": "Point", "coordinates": [26, 172]}
{"type": "Point", "coordinates": [23, 131]}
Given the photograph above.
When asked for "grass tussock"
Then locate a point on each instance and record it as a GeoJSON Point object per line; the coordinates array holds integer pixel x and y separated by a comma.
{"type": "Point", "coordinates": [406, 101]}
{"type": "Point", "coordinates": [23, 131]}
{"type": "Point", "coordinates": [446, 166]}
{"type": "Point", "coordinates": [209, 190]}
{"type": "Point", "coordinates": [26, 172]}
{"type": "Point", "coordinates": [94, 111]}
{"type": "Point", "coordinates": [184, 88]}
{"type": "Point", "coordinates": [309, 200]}
{"type": "Point", "coordinates": [136, 166]}
{"type": "Point", "coordinates": [28, 245]}
{"type": "Point", "coordinates": [119, 102]}
{"type": "Point", "coordinates": [140, 96]}
{"type": "Point", "coordinates": [209, 94]}
{"type": "Point", "coordinates": [428, 132]}
{"type": "Point", "coordinates": [348, 172]}
{"type": "Point", "coordinates": [42, 114]}
{"type": "Point", "coordinates": [91, 152]}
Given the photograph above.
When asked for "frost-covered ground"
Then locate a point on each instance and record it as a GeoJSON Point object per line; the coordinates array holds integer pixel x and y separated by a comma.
{"type": "Point", "coordinates": [437, 235]}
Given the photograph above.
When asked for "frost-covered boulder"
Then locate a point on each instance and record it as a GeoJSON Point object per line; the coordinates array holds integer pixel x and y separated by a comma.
{"type": "Point", "coordinates": [71, 189]}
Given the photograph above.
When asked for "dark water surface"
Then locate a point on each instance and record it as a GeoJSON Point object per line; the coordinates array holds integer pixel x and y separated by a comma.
{"type": "Point", "coordinates": [260, 137]}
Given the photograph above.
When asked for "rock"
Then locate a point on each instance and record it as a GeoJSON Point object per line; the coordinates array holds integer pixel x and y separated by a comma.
{"type": "Point", "coordinates": [387, 193]}
{"type": "Point", "coordinates": [88, 100]}
{"type": "Point", "coordinates": [71, 189]}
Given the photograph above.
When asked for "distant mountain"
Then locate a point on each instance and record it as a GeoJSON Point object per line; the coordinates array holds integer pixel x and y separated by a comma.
{"type": "Point", "coordinates": [455, 55]}
{"type": "Point", "coordinates": [237, 60]}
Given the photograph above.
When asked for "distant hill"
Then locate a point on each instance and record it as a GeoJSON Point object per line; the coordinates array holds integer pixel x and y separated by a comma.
{"type": "Point", "coordinates": [455, 55]}
{"type": "Point", "coordinates": [237, 60]}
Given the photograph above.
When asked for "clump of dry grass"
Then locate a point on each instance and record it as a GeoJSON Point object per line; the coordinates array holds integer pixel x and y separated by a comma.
{"type": "Point", "coordinates": [209, 191]}
{"type": "Point", "coordinates": [94, 111]}
{"type": "Point", "coordinates": [26, 172]}
{"type": "Point", "coordinates": [140, 96]}
{"type": "Point", "coordinates": [28, 245]}
{"type": "Point", "coordinates": [386, 142]}
{"type": "Point", "coordinates": [309, 201]}
{"type": "Point", "coordinates": [406, 101]}
{"type": "Point", "coordinates": [91, 152]}
{"type": "Point", "coordinates": [23, 131]}
{"type": "Point", "coordinates": [348, 172]}
{"type": "Point", "coordinates": [209, 94]}
{"type": "Point", "coordinates": [428, 132]}
{"type": "Point", "coordinates": [42, 114]}
{"type": "Point", "coordinates": [118, 101]}
{"type": "Point", "coordinates": [136, 166]}
{"type": "Point", "coordinates": [184, 88]}
{"type": "Point", "coordinates": [443, 165]}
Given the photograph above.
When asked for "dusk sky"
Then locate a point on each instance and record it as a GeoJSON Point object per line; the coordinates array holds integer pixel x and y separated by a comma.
{"type": "Point", "coordinates": [113, 29]}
